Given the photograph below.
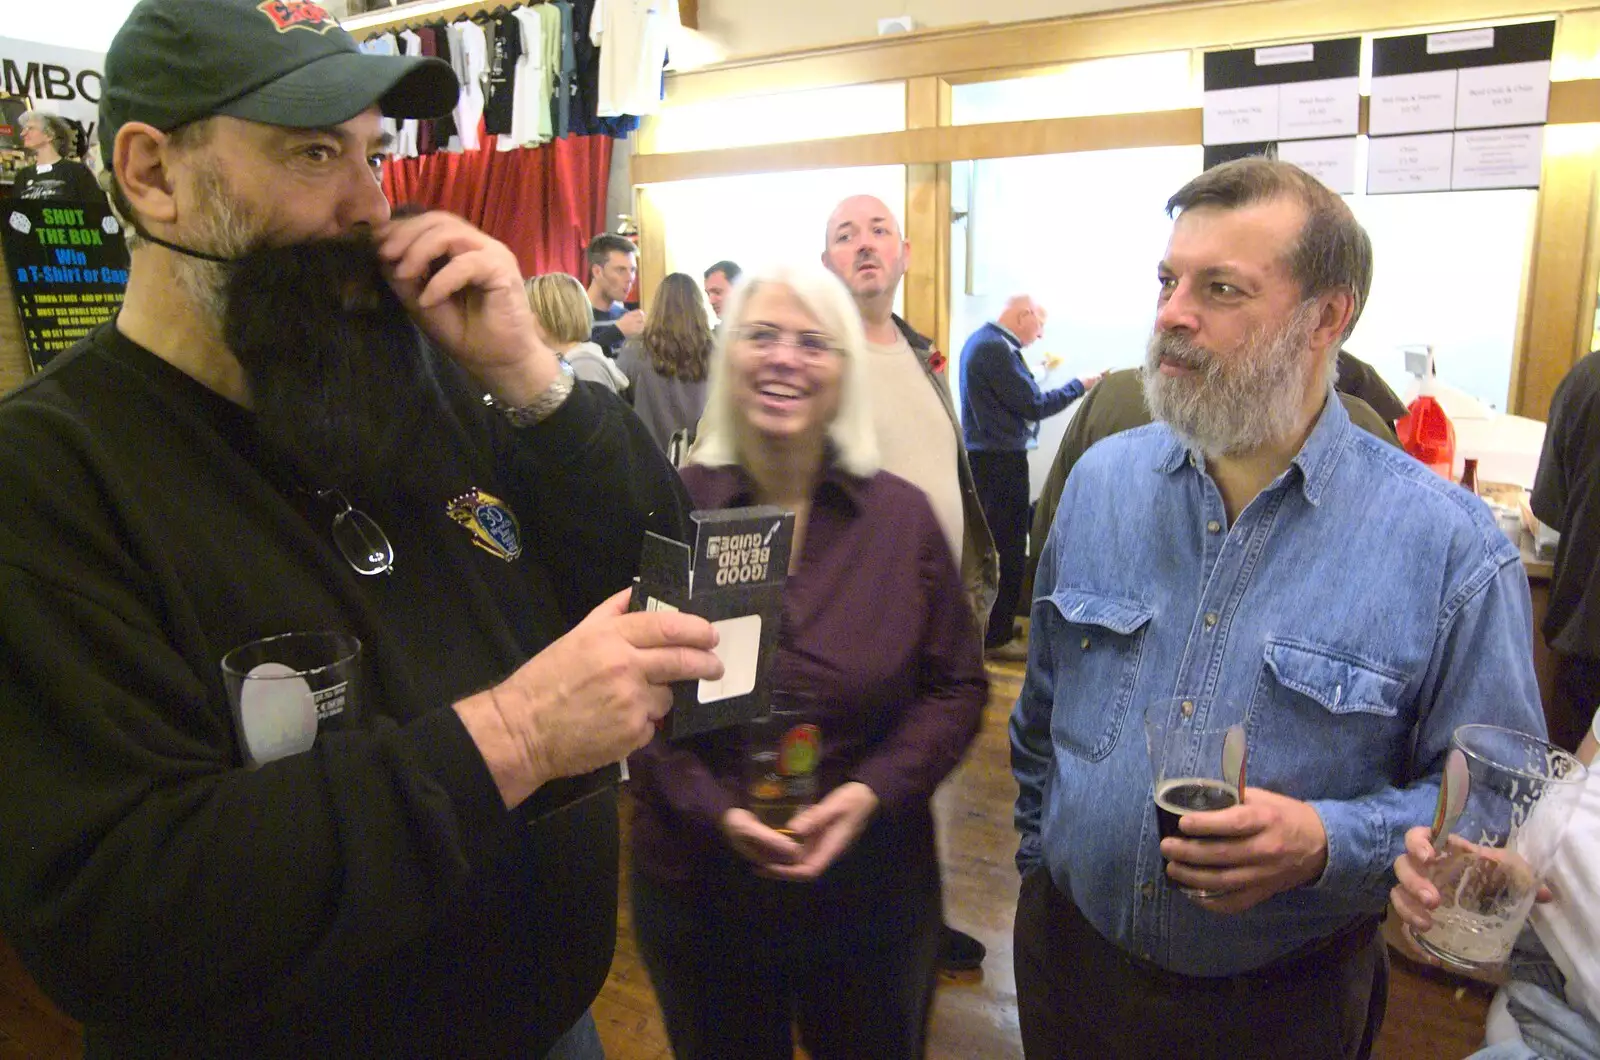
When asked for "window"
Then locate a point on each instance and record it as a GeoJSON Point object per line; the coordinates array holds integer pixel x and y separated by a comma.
{"type": "Point", "coordinates": [762, 218]}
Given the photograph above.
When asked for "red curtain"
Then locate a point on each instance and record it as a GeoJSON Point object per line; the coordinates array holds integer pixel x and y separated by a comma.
{"type": "Point", "coordinates": [545, 203]}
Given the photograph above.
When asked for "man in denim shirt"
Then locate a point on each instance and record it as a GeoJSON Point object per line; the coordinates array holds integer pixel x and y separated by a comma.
{"type": "Point", "coordinates": [1260, 559]}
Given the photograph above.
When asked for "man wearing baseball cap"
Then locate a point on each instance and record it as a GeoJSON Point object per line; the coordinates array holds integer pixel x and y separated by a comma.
{"type": "Point", "coordinates": [311, 417]}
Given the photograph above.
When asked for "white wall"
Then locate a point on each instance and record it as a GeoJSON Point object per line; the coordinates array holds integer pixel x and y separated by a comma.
{"type": "Point", "coordinates": [86, 24]}
{"type": "Point", "coordinates": [749, 28]}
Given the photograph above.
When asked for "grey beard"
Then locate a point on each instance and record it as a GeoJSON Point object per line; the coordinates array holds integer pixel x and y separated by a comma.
{"type": "Point", "coordinates": [225, 229]}
{"type": "Point", "coordinates": [1252, 399]}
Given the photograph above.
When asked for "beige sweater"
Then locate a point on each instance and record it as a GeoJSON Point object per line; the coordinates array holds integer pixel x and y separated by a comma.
{"type": "Point", "coordinates": [914, 433]}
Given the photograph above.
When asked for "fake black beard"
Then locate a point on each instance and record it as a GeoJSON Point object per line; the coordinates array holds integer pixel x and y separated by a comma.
{"type": "Point", "coordinates": [340, 379]}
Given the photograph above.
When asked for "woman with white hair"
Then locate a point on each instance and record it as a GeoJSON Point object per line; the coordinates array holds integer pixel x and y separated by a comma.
{"type": "Point", "coordinates": [832, 920]}
{"type": "Point", "coordinates": [56, 173]}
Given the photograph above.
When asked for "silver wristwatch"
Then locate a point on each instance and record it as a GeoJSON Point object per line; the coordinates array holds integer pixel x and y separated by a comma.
{"type": "Point", "coordinates": [541, 407]}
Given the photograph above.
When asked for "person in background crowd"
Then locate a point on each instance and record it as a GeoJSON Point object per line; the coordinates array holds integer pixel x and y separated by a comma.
{"type": "Point", "coordinates": [1001, 406]}
{"type": "Point", "coordinates": [56, 172]}
{"type": "Point", "coordinates": [666, 364]}
{"type": "Point", "coordinates": [1566, 498]}
{"type": "Point", "coordinates": [1117, 404]}
{"type": "Point", "coordinates": [834, 923]}
{"type": "Point", "coordinates": [561, 310]}
{"type": "Point", "coordinates": [1359, 379]}
{"type": "Point", "coordinates": [1550, 1008]}
{"type": "Point", "coordinates": [918, 434]}
{"type": "Point", "coordinates": [613, 265]}
{"type": "Point", "coordinates": [1201, 562]}
{"type": "Point", "coordinates": [719, 281]}
{"type": "Point", "coordinates": [285, 428]}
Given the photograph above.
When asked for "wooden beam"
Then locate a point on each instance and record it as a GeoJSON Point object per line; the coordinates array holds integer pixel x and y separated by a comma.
{"type": "Point", "coordinates": [652, 245]}
{"type": "Point", "coordinates": [927, 214]}
{"type": "Point", "coordinates": [1101, 132]}
{"type": "Point", "coordinates": [1556, 322]}
{"type": "Point", "coordinates": [1559, 299]}
{"type": "Point", "coordinates": [991, 52]}
{"type": "Point", "coordinates": [1571, 103]}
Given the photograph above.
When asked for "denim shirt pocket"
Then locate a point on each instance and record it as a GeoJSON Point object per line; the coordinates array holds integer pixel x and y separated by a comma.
{"type": "Point", "coordinates": [1313, 699]}
{"type": "Point", "coordinates": [1095, 643]}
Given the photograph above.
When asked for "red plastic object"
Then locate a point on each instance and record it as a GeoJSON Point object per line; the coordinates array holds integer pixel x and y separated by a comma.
{"type": "Point", "coordinates": [1427, 434]}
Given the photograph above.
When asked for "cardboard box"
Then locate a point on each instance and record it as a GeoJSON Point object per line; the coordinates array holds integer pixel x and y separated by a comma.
{"type": "Point", "coordinates": [732, 575]}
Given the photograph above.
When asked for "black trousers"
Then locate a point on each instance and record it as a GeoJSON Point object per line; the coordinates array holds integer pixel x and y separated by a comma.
{"type": "Point", "coordinates": [1577, 697]}
{"type": "Point", "coordinates": [738, 961]}
{"type": "Point", "coordinates": [1002, 482]}
{"type": "Point", "coordinates": [1079, 995]}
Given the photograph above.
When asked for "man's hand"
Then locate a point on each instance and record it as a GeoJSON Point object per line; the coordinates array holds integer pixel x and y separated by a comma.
{"type": "Point", "coordinates": [827, 830]}
{"type": "Point", "coordinates": [591, 698]}
{"type": "Point", "coordinates": [631, 323]}
{"type": "Point", "coordinates": [763, 847]}
{"type": "Point", "coordinates": [465, 291]}
{"type": "Point", "coordinates": [1268, 844]}
{"type": "Point", "coordinates": [1089, 381]}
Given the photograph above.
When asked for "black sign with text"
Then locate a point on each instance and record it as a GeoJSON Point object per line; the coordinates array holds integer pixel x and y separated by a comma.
{"type": "Point", "coordinates": [69, 267]}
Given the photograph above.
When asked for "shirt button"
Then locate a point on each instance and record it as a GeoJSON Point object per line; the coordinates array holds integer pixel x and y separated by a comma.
{"type": "Point", "coordinates": [1211, 619]}
{"type": "Point", "coordinates": [1148, 890]}
{"type": "Point", "coordinates": [1214, 527]}
{"type": "Point", "coordinates": [1084, 644]}
{"type": "Point", "coordinates": [1188, 708]}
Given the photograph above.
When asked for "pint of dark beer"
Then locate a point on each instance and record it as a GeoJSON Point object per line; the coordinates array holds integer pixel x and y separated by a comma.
{"type": "Point", "coordinates": [1185, 738]}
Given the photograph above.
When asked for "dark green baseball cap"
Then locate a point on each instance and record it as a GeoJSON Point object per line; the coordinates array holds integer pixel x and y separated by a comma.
{"type": "Point", "coordinates": [279, 62]}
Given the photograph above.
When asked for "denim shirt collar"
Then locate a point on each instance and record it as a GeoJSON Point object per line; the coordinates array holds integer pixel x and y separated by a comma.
{"type": "Point", "coordinates": [1316, 459]}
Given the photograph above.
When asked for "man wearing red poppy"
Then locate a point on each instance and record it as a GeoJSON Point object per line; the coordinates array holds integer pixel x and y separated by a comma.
{"type": "Point", "coordinates": [919, 437]}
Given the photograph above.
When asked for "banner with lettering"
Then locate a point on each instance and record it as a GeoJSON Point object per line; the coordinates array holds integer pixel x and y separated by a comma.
{"type": "Point", "coordinates": [68, 266]}
{"type": "Point", "coordinates": [64, 81]}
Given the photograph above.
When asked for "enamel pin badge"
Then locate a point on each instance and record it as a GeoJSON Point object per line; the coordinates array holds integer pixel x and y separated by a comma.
{"type": "Point", "coordinates": [490, 522]}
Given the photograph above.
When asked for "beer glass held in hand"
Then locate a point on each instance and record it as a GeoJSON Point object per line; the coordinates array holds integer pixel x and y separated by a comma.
{"type": "Point", "coordinates": [781, 754]}
{"type": "Point", "coordinates": [1187, 767]}
{"type": "Point", "coordinates": [1520, 792]}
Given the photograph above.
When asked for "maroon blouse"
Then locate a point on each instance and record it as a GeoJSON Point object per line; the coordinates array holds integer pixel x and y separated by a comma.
{"type": "Point", "coordinates": [878, 632]}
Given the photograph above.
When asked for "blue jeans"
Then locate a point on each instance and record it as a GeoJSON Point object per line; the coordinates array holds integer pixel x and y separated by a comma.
{"type": "Point", "coordinates": [581, 1042]}
{"type": "Point", "coordinates": [1537, 1000]}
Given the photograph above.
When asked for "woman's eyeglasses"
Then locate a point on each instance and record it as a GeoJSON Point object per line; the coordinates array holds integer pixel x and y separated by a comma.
{"type": "Point", "coordinates": [359, 539]}
{"type": "Point", "coordinates": [812, 346]}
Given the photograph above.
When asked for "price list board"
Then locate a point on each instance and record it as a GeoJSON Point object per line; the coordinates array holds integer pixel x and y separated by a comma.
{"type": "Point", "coordinates": [1459, 111]}
{"type": "Point", "coordinates": [68, 267]}
{"type": "Point", "coordinates": [1298, 102]}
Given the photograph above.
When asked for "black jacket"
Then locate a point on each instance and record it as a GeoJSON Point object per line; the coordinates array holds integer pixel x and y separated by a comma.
{"type": "Point", "coordinates": [371, 897]}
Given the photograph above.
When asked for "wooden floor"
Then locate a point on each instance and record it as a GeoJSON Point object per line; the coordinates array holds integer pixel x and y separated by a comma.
{"type": "Point", "coordinates": [1431, 1017]}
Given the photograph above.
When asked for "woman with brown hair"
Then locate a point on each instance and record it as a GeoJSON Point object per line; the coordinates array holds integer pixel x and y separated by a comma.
{"type": "Point", "coordinates": [666, 363]}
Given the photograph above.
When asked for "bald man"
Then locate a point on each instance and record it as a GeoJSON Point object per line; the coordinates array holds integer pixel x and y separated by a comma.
{"type": "Point", "coordinates": [919, 437]}
{"type": "Point", "coordinates": [1001, 406]}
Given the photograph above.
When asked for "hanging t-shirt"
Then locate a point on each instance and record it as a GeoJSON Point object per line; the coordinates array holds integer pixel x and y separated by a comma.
{"type": "Point", "coordinates": [444, 127]}
{"type": "Point", "coordinates": [632, 36]}
{"type": "Point", "coordinates": [586, 80]}
{"type": "Point", "coordinates": [428, 131]}
{"type": "Point", "coordinates": [63, 179]}
{"type": "Point", "coordinates": [405, 145]}
{"type": "Point", "coordinates": [524, 118]}
{"type": "Point", "coordinates": [470, 58]}
{"type": "Point", "coordinates": [384, 44]}
{"type": "Point", "coordinates": [550, 25]}
{"type": "Point", "coordinates": [566, 79]}
{"type": "Point", "coordinates": [502, 75]}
